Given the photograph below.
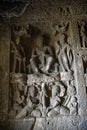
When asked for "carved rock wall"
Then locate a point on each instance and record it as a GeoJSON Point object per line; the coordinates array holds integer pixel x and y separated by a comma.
{"type": "Point", "coordinates": [43, 65]}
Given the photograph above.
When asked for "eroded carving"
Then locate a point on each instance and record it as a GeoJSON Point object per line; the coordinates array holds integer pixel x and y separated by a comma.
{"type": "Point", "coordinates": [44, 57]}
{"type": "Point", "coordinates": [83, 33]}
{"type": "Point", "coordinates": [84, 58]}
{"type": "Point", "coordinates": [65, 11]}
{"type": "Point", "coordinates": [44, 83]}
{"type": "Point", "coordinates": [55, 108]}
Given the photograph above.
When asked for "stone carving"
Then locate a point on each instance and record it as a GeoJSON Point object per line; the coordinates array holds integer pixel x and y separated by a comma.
{"type": "Point", "coordinates": [37, 97]}
{"type": "Point", "coordinates": [48, 87]}
{"type": "Point", "coordinates": [84, 58]}
{"type": "Point", "coordinates": [55, 108]}
{"type": "Point", "coordinates": [19, 56]}
{"type": "Point", "coordinates": [44, 57]}
{"type": "Point", "coordinates": [66, 58]}
{"type": "Point", "coordinates": [60, 29]}
{"type": "Point", "coordinates": [18, 50]}
{"type": "Point", "coordinates": [72, 105]}
{"type": "Point", "coordinates": [62, 47]}
{"type": "Point", "coordinates": [65, 11]}
{"type": "Point", "coordinates": [83, 33]}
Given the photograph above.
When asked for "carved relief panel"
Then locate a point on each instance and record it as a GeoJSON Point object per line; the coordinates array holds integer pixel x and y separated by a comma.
{"type": "Point", "coordinates": [42, 82]}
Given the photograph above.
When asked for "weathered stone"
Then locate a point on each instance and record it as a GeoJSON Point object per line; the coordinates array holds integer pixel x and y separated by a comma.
{"type": "Point", "coordinates": [43, 65]}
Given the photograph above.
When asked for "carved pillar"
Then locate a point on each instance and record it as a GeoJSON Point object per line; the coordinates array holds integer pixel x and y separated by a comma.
{"type": "Point", "coordinates": [79, 75]}
{"type": "Point", "coordinates": [4, 68]}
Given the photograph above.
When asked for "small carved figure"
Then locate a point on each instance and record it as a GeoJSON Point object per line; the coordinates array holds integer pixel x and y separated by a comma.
{"type": "Point", "coordinates": [31, 105]}
{"type": "Point", "coordinates": [62, 49]}
{"type": "Point", "coordinates": [19, 55]}
{"type": "Point", "coordinates": [73, 105]}
{"type": "Point", "coordinates": [83, 34]}
{"type": "Point", "coordinates": [56, 107]}
{"type": "Point", "coordinates": [65, 11]}
{"type": "Point", "coordinates": [60, 29]}
{"type": "Point", "coordinates": [18, 85]}
{"type": "Point", "coordinates": [20, 99]}
{"type": "Point", "coordinates": [71, 88]}
{"type": "Point", "coordinates": [43, 96]}
{"type": "Point", "coordinates": [17, 48]}
{"type": "Point", "coordinates": [66, 58]}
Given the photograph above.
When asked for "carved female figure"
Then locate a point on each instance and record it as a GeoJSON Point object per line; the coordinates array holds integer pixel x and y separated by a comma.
{"type": "Point", "coordinates": [83, 34]}
{"type": "Point", "coordinates": [55, 102]}
{"type": "Point", "coordinates": [19, 55]}
{"type": "Point", "coordinates": [66, 58]}
{"type": "Point", "coordinates": [17, 49]}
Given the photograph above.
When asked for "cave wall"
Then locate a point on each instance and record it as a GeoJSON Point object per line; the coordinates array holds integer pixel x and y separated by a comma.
{"type": "Point", "coordinates": [28, 22]}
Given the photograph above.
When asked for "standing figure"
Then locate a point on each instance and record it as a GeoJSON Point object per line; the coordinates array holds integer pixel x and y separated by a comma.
{"type": "Point", "coordinates": [65, 57]}
{"type": "Point", "coordinates": [17, 48]}
{"type": "Point", "coordinates": [43, 96]}
{"type": "Point", "coordinates": [19, 56]}
{"type": "Point", "coordinates": [83, 34]}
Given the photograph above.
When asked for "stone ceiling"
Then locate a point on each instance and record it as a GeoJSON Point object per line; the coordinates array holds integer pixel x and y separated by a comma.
{"type": "Point", "coordinates": [15, 8]}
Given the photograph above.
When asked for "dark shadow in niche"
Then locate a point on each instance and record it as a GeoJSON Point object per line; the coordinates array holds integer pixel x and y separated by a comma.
{"type": "Point", "coordinates": [24, 39]}
{"type": "Point", "coordinates": [28, 42]}
{"type": "Point", "coordinates": [85, 66]}
{"type": "Point", "coordinates": [80, 35]}
{"type": "Point", "coordinates": [12, 8]}
{"type": "Point", "coordinates": [46, 39]}
{"type": "Point", "coordinates": [85, 70]}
